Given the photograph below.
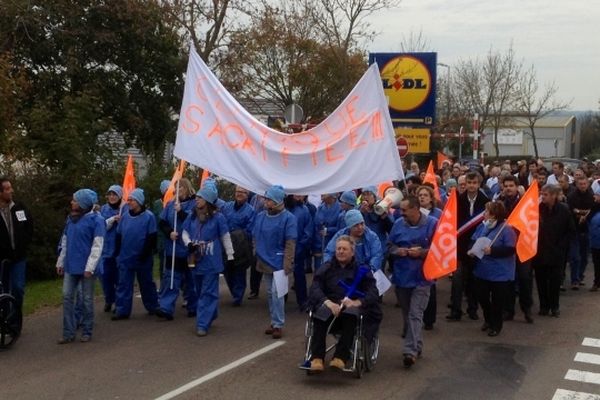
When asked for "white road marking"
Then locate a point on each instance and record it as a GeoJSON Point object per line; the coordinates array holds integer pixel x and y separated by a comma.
{"type": "Point", "coordinates": [562, 394]}
{"type": "Point", "coordinates": [588, 358]}
{"type": "Point", "coordinates": [583, 376]}
{"type": "Point", "coordinates": [220, 371]}
{"type": "Point", "coordinates": [591, 342]}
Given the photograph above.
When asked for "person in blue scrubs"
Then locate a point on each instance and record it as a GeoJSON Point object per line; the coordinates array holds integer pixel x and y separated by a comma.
{"type": "Point", "coordinates": [136, 241]}
{"type": "Point", "coordinates": [179, 208]}
{"type": "Point", "coordinates": [111, 214]}
{"type": "Point", "coordinates": [240, 220]}
{"type": "Point", "coordinates": [81, 252]}
{"type": "Point", "coordinates": [367, 250]}
{"type": "Point", "coordinates": [274, 234]}
{"type": "Point", "coordinates": [495, 271]}
{"type": "Point", "coordinates": [325, 225]}
{"type": "Point", "coordinates": [380, 224]}
{"type": "Point", "coordinates": [206, 235]}
{"type": "Point", "coordinates": [347, 203]}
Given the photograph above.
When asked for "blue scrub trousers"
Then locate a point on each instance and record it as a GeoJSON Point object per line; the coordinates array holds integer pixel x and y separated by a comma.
{"type": "Point", "coordinates": [110, 280]}
{"type": "Point", "coordinates": [125, 289]}
{"type": "Point", "coordinates": [207, 289]}
{"type": "Point", "coordinates": [236, 282]}
{"type": "Point", "coordinates": [168, 297]}
{"type": "Point", "coordinates": [300, 278]}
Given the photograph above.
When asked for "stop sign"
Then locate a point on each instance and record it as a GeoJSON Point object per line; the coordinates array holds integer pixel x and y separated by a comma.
{"type": "Point", "coordinates": [402, 145]}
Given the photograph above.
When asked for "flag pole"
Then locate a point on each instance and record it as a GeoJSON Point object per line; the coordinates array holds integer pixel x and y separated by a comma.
{"type": "Point", "coordinates": [498, 234]}
{"type": "Point", "coordinates": [174, 230]}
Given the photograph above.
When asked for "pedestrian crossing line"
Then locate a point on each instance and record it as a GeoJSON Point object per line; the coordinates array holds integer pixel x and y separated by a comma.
{"type": "Point", "coordinates": [583, 376]}
{"type": "Point", "coordinates": [562, 394]}
{"type": "Point", "coordinates": [591, 342]}
{"type": "Point", "coordinates": [220, 371]}
{"type": "Point", "coordinates": [588, 358]}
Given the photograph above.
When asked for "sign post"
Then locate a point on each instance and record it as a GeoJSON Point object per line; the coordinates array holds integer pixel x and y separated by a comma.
{"type": "Point", "coordinates": [402, 146]}
{"type": "Point", "coordinates": [475, 136]}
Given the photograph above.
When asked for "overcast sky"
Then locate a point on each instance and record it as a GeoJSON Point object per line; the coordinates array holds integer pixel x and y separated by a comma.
{"type": "Point", "coordinates": [561, 38]}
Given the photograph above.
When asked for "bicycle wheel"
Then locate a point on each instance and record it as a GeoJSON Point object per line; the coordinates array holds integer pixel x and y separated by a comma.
{"type": "Point", "coordinates": [10, 321]}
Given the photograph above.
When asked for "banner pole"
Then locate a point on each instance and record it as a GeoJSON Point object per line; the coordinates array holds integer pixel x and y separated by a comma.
{"type": "Point", "coordinates": [175, 240]}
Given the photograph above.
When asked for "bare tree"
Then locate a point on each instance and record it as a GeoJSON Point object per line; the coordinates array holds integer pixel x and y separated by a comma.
{"type": "Point", "coordinates": [415, 42]}
{"type": "Point", "coordinates": [488, 88]}
{"type": "Point", "coordinates": [535, 104]}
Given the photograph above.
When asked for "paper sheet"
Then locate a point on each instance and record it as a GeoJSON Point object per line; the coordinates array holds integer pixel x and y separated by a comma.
{"type": "Point", "coordinates": [479, 245]}
{"type": "Point", "coordinates": [281, 283]}
{"type": "Point", "coordinates": [383, 283]}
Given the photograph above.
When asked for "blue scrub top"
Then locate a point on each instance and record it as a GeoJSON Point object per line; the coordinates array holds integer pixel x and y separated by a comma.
{"type": "Point", "coordinates": [270, 234]}
{"type": "Point", "coordinates": [134, 231]}
{"type": "Point", "coordinates": [368, 249]}
{"type": "Point", "coordinates": [110, 237]}
{"type": "Point", "coordinates": [326, 216]}
{"type": "Point", "coordinates": [209, 259]}
{"type": "Point", "coordinates": [168, 215]}
{"type": "Point", "coordinates": [80, 237]}
{"type": "Point", "coordinates": [496, 269]}
{"type": "Point", "coordinates": [242, 218]}
{"type": "Point", "coordinates": [408, 271]}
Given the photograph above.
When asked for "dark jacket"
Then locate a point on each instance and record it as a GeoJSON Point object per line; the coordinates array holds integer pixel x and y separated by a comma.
{"type": "Point", "coordinates": [556, 230]}
{"type": "Point", "coordinates": [581, 201]}
{"type": "Point", "coordinates": [325, 286]}
{"type": "Point", "coordinates": [464, 216]}
{"type": "Point", "coordinates": [23, 232]}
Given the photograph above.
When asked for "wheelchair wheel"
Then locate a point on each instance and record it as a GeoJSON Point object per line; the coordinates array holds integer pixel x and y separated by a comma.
{"type": "Point", "coordinates": [360, 358]}
{"type": "Point", "coordinates": [371, 353]}
{"type": "Point", "coordinates": [11, 321]}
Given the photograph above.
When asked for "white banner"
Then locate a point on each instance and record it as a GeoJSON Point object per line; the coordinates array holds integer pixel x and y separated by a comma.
{"type": "Point", "coordinates": [352, 148]}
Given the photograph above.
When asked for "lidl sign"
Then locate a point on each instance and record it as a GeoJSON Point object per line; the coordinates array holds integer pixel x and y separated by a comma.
{"type": "Point", "coordinates": [409, 84]}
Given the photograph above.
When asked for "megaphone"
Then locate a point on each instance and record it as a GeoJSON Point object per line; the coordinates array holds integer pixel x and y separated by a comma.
{"type": "Point", "coordinates": [392, 198]}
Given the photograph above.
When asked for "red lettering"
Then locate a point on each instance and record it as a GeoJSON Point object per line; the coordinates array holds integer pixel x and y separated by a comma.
{"type": "Point", "coordinates": [349, 107]}
{"type": "Point", "coordinates": [199, 89]}
{"type": "Point", "coordinates": [340, 130]}
{"type": "Point", "coordinates": [189, 124]}
{"type": "Point", "coordinates": [377, 132]}
{"type": "Point", "coordinates": [329, 156]}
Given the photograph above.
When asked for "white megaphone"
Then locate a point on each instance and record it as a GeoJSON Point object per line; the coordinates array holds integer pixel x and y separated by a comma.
{"type": "Point", "coordinates": [392, 198]}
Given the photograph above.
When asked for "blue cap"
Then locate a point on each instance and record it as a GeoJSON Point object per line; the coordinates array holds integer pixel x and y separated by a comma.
{"type": "Point", "coordinates": [164, 186]}
{"type": "Point", "coordinates": [116, 189]}
{"type": "Point", "coordinates": [209, 194]}
{"type": "Point", "coordinates": [138, 195]}
{"type": "Point", "coordinates": [85, 198]}
{"type": "Point", "coordinates": [348, 197]}
{"type": "Point", "coordinates": [276, 194]}
{"type": "Point", "coordinates": [371, 189]}
{"type": "Point", "coordinates": [450, 183]}
{"type": "Point", "coordinates": [353, 217]}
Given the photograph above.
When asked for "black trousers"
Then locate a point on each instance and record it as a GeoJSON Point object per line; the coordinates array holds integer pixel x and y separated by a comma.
{"type": "Point", "coordinates": [492, 298]}
{"type": "Point", "coordinates": [430, 313]}
{"type": "Point", "coordinates": [523, 284]}
{"type": "Point", "coordinates": [596, 261]}
{"type": "Point", "coordinates": [463, 282]}
{"type": "Point", "coordinates": [548, 279]}
{"type": "Point", "coordinates": [346, 324]}
{"type": "Point", "coordinates": [255, 278]}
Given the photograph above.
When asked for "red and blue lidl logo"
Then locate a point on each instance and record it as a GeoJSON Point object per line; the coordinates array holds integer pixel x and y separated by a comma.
{"type": "Point", "coordinates": [407, 83]}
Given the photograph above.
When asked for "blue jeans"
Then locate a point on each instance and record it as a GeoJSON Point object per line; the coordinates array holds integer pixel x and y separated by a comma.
{"type": "Point", "coordinates": [207, 288]}
{"type": "Point", "coordinates": [110, 279]}
{"type": "Point", "coordinates": [168, 297]}
{"type": "Point", "coordinates": [578, 256]}
{"type": "Point", "coordinates": [276, 304]}
{"type": "Point", "coordinates": [70, 285]}
{"type": "Point", "coordinates": [125, 290]}
{"type": "Point", "coordinates": [14, 280]}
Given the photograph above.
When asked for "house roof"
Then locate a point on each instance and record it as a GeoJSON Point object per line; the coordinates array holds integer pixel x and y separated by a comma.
{"type": "Point", "coordinates": [546, 122]}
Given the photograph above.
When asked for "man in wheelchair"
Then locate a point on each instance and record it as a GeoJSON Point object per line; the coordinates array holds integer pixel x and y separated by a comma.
{"type": "Point", "coordinates": [340, 294]}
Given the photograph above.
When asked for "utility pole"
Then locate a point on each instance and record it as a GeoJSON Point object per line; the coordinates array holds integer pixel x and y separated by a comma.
{"type": "Point", "coordinates": [475, 136]}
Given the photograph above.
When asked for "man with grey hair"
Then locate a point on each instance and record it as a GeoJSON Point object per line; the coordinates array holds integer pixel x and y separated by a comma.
{"type": "Point", "coordinates": [555, 230]}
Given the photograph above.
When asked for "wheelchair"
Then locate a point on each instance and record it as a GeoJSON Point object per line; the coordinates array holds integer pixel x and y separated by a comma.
{"type": "Point", "coordinates": [363, 352]}
{"type": "Point", "coordinates": [11, 320]}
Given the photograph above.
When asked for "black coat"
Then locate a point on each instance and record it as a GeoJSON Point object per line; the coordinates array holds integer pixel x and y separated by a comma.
{"type": "Point", "coordinates": [463, 210]}
{"type": "Point", "coordinates": [22, 230]}
{"type": "Point", "coordinates": [555, 232]}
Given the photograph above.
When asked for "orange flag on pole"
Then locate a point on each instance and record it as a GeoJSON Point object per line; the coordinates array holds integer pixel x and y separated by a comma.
{"type": "Point", "coordinates": [526, 219]}
{"type": "Point", "coordinates": [441, 258]}
{"type": "Point", "coordinates": [205, 175]}
{"type": "Point", "coordinates": [169, 194]}
{"type": "Point", "coordinates": [128, 180]}
{"type": "Point", "coordinates": [431, 177]}
{"type": "Point", "coordinates": [441, 157]}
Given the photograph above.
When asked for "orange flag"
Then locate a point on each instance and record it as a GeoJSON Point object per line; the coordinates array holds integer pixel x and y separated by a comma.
{"type": "Point", "coordinates": [441, 258]}
{"type": "Point", "coordinates": [128, 180]}
{"type": "Point", "coordinates": [431, 178]}
{"type": "Point", "coordinates": [441, 157]}
{"type": "Point", "coordinates": [176, 176]}
{"type": "Point", "coordinates": [382, 188]}
{"type": "Point", "coordinates": [526, 219]}
{"type": "Point", "coordinates": [205, 175]}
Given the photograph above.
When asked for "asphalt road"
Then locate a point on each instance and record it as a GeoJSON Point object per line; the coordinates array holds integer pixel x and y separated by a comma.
{"type": "Point", "coordinates": [145, 358]}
